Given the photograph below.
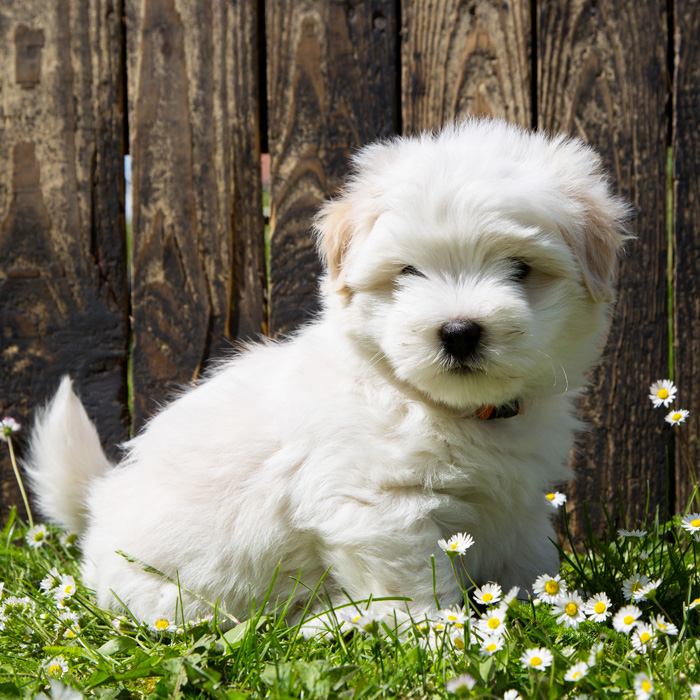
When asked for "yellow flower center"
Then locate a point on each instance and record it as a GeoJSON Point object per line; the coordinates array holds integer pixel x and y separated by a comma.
{"type": "Point", "coordinates": [571, 609]}
{"type": "Point", "coordinates": [535, 661]}
{"type": "Point", "coordinates": [54, 670]}
{"type": "Point", "coordinates": [695, 602]}
{"type": "Point", "coordinates": [635, 586]}
{"type": "Point", "coordinates": [38, 536]}
{"type": "Point", "coordinates": [576, 675]}
{"type": "Point", "coordinates": [662, 394]}
{"type": "Point", "coordinates": [452, 617]}
{"type": "Point", "coordinates": [646, 686]}
{"type": "Point", "coordinates": [454, 545]}
{"type": "Point", "coordinates": [599, 608]}
{"type": "Point", "coordinates": [550, 496]}
{"type": "Point", "coordinates": [661, 626]}
{"type": "Point", "coordinates": [459, 643]}
{"type": "Point", "coordinates": [644, 637]}
{"type": "Point", "coordinates": [552, 587]}
{"type": "Point", "coordinates": [487, 597]}
{"type": "Point", "coordinates": [676, 416]}
{"type": "Point", "coordinates": [494, 622]}
{"type": "Point", "coordinates": [162, 625]}
{"type": "Point", "coordinates": [629, 619]}
{"type": "Point", "coordinates": [67, 590]}
{"type": "Point", "coordinates": [695, 523]}
{"type": "Point", "coordinates": [491, 647]}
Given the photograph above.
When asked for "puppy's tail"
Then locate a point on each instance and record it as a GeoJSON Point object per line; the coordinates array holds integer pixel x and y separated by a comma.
{"type": "Point", "coordinates": [65, 455]}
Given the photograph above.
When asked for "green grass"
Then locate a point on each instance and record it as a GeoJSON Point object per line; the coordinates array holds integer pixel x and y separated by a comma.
{"type": "Point", "coordinates": [108, 655]}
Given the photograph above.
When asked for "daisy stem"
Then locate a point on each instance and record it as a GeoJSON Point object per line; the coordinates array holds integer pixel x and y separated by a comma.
{"type": "Point", "coordinates": [691, 466]}
{"type": "Point", "coordinates": [19, 481]}
{"type": "Point", "coordinates": [464, 566]}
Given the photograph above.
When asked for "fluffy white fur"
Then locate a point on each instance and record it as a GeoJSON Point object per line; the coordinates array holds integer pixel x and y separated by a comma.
{"type": "Point", "coordinates": [353, 447]}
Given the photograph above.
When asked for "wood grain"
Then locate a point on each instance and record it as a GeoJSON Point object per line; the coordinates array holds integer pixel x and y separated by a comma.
{"type": "Point", "coordinates": [686, 245]}
{"type": "Point", "coordinates": [198, 262]}
{"type": "Point", "coordinates": [463, 57]}
{"type": "Point", "coordinates": [63, 305]}
{"type": "Point", "coordinates": [602, 77]}
{"type": "Point", "coordinates": [331, 78]}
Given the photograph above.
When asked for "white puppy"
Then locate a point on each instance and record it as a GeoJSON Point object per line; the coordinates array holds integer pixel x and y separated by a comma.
{"type": "Point", "coordinates": [469, 274]}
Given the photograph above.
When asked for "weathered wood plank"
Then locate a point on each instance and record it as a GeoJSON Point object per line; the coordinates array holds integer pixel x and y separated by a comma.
{"type": "Point", "coordinates": [331, 78]}
{"type": "Point", "coordinates": [602, 76]}
{"type": "Point", "coordinates": [62, 270]}
{"type": "Point", "coordinates": [463, 57]}
{"type": "Point", "coordinates": [198, 261]}
{"type": "Point", "coordinates": [686, 246]}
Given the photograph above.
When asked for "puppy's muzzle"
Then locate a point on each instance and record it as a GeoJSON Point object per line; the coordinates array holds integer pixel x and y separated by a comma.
{"type": "Point", "coordinates": [461, 340]}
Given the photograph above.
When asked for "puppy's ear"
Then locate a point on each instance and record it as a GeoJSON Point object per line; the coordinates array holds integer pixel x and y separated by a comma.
{"type": "Point", "coordinates": [334, 228]}
{"type": "Point", "coordinates": [597, 243]}
{"type": "Point", "coordinates": [601, 227]}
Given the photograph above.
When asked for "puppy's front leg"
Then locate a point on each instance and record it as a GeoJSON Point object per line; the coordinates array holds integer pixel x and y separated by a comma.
{"type": "Point", "coordinates": [388, 566]}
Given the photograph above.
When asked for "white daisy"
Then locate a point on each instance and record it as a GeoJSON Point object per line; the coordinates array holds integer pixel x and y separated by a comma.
{"type": "Point", "coordinates": [576, 672]}
{"type": "Point", "coordinates": [510, 597]}
{"type": "Point", "coordinates": [555, 499]}
{"type": "Point", "coordinates": [548, 588]}
{"type": "Point", "coordinates": [18, 606]}
{"type": "Point", "coordinates": [163, 625]}
{"type": "Point", "coordinates": [538, 659]}
{"type": "Point", "coordinates": [625, 619]}
{"type": "Point", "coordinates": [491, 643]}
{"type": "Point", "coordinates": [691, 523]}
{"type": "Point", "coordinates": [493, 621]}
{"type": "Point", "coordinates": [512, 695]}
{"type": "Point", "coordinates": [461, 684]}
{"type": "Point", "coordinates": [69, 539]}
{"type": "Point", "coordinates": [598, 607]}
{"type": "Point", "coordinates": [676, 416]}
{"type": "Point", "coordinates": [56, 667]}
{"type": "Point", "coordinates": [453, 616]}
{"type": "Point", "coordinates": [693, 604]}
{"type": "Point", "coordinates": [632, 584]}
{"type": "Point", "coordinates": [457, 544]}
{"type": "Point", "coordinates": [695, 691]}
{"type": "Point", "coordinates": [36, 536]}
{"type": "Point", "coordinates": [8, 427]}
{"type": "Point", "coordinates": [50, 580]}
{"type": "Point", "coordinates": [632, 533]}
{"type": "Point", "coordinates": [662, 392]}
{"type": "Point", "coordinates": [488, 594]}
{"type": "Point", "coordinates": [662, 625]}
{"type": "Point", "coordinates": [460, 639]}
{"type": "Point", "coordinates": [643, 592]}
{"type": "Point", "coordinates": [643, 639]}
{"type": "Point", "coordinates": [65, 587]}
{"type": "Point", "coordinates": [643, 687]}
{"type": "Point", "coordinates": [569, 609]}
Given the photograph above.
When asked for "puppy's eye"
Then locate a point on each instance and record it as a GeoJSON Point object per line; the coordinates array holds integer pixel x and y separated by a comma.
{"type": "Point", "coordinates": [410, 270]}
{"type": "Point", "coordinates": [520, 270]}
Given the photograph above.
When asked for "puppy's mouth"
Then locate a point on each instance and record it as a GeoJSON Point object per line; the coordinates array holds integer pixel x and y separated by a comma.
{"type": "Point", "coordinates": [463, 369]}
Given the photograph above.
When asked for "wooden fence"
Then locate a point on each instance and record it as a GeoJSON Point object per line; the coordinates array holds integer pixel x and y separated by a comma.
{"type": "Point", "coordinates": [196, 90]}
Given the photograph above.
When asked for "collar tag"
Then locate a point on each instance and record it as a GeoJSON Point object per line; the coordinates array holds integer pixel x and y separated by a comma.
{"type": "Point", "coordinates": [492, 412]}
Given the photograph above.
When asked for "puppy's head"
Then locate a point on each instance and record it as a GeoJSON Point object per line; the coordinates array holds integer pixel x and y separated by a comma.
{"type": "Point", "coordinates": [477, 263]}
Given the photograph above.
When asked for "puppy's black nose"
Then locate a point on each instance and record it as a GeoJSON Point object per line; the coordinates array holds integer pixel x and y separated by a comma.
{"type": "Point", "coordinates": [460, 339]}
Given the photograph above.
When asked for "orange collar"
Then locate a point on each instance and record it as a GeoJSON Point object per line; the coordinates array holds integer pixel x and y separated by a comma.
{"type": "Point", "coordinates": [506, 411]}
